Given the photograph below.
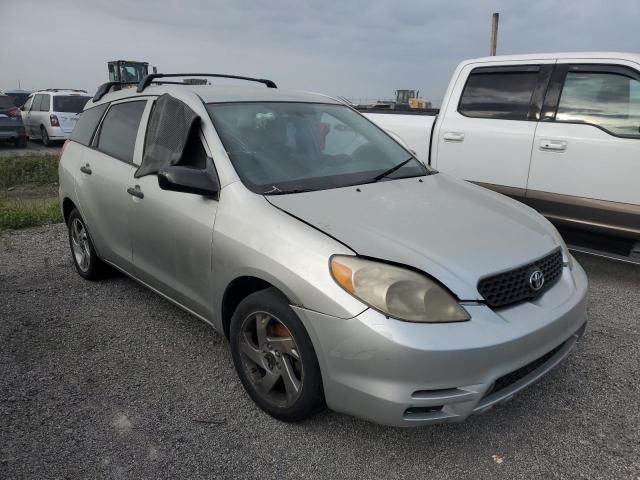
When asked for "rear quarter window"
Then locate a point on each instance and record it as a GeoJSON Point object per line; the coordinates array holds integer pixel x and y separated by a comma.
{"type": "Point", "coordinates": [87, 123]}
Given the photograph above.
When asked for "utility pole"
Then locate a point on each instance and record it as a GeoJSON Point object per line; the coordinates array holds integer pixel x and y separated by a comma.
{"type": "Point", "coordinates": [494, 34]}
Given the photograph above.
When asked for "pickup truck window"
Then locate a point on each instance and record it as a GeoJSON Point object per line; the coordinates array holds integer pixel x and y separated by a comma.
{"type": "Point", "coordinates": [499, 93]}
{"type": "Point", "coordinates": [610, 101]}
{"type": "Point", "coordinates": [289, 147]}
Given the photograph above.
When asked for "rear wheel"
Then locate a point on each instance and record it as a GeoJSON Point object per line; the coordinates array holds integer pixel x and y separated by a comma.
{"type": "Point", "coordinates": [87, 263]}
{"type": "Point", "coordinates": [274, 357]}
{"type": "Point", "coordinates": [45, 136]}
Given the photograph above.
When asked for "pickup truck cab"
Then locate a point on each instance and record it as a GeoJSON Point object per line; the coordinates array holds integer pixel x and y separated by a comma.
{"type": "Point", "coordinates": [559, 132]}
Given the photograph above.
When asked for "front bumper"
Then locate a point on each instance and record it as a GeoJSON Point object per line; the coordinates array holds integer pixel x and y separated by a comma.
{"type": "Point", "coordinates": [405, 374]}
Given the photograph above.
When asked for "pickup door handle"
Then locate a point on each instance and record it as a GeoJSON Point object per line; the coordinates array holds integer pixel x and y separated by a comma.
{"type": "Point", "coordinates": [553, 145]}
{"type": "Point", "coordinates": [453, 137]}
{"type": "Point", "coordinates": [86, 169]}
{"type": "Point", "coordinates": [136, 192]}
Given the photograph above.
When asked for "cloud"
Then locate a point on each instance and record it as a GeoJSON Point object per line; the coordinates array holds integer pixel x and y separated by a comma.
{"type": "Point", "coordinates": [354, 48]}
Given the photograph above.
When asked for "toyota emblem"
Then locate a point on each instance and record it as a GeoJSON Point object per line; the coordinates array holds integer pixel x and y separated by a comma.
{"type": "Point", "coordinates": [536, 280]}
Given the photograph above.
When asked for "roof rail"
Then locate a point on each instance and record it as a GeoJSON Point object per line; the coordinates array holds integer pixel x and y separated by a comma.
{"type": "Point", "coordinates": [106, 88]}
{"type": "Point", "coordinates": [146, 81]}
{"type": "Point", "coordinates": [63, 90]}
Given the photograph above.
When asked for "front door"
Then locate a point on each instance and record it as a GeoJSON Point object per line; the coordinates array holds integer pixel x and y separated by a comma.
{"type": "Point", "coordinates": [486, 137]}
{"type": "Point", "coordinates": [172, 235]}
{"type": "Point", "coordinates": [586, 157]}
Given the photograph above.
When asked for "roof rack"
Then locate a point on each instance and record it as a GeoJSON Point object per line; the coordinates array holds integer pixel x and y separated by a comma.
{"type": "Point", "coordinates": [106, 88]}
{"type": "Point", "coordinates": [146, 81]}
{"type": "Point", "coordinates": [63, 90]}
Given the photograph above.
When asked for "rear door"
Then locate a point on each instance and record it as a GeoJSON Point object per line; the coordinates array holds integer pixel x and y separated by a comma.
{"type": "Point", "coordinates": [102, 181]}
{"type": "Point", "coordinates": [487, 129]}
{"type": "Point", "coordinates": [68, 108]}
{"type": "Point", "coordinates": [585, 163]}
{"type": "Point", "coordinates": [31, 117]}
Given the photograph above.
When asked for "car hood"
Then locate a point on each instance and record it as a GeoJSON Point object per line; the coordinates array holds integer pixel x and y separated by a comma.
{"type": "Point", "coordinates": [452, 230]}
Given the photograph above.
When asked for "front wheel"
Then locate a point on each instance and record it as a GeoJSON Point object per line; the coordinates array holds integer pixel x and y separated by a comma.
{"type": "Point", "coordinates": [274, 357]}
{"type": "Point", "coordinates": [87, 263]}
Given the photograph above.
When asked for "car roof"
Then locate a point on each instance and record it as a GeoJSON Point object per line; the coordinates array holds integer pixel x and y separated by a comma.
{"type": "Point", "coordinates": [221, 94]}
{"type": "Point", "coordinates": [63, 91]}
{"type": "Point", "coordinates": [634, 57]}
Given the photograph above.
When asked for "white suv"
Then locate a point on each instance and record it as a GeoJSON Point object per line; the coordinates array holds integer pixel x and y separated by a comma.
{"type": "Point", "coordinates": [50, 115]}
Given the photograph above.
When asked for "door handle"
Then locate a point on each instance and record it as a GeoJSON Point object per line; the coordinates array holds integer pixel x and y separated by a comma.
{"type": "Point", "coordinates": [553, 145]}
{"type": "Point", "coordinates": [86, 169]}
{"type": "Point", "coordinates": [136, 192]}
{"type": "Point", "coordinates": [453, 137]}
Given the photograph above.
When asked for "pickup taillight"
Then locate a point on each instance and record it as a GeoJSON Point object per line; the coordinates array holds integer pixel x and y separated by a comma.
{"type": "Point", "coordinates": [14, 112]}
{"type": "Point", "coordinates": [54, 120]}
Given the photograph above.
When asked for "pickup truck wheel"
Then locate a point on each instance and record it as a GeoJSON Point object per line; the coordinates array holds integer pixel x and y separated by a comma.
{"type": "Point", "coordinates": [274, 357]}
{"type": "Point", "coordinates": [87, 263]}
{"type": "Point", "coordinates": [45, 136]}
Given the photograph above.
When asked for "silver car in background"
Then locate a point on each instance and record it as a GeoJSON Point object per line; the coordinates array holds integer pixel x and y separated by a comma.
{"type": "Point", "coordinates": [50, 115]}
{"type": "Point", "coordinates": [343, 271]}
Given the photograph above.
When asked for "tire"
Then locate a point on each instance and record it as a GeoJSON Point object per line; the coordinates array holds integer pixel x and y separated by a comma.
{"type": "Point", "coordinates": [84, 256]}
{"type": "Point", "coordinates": [287, 352]}
{"type": "Point", "coordinates": [21, 142]}
{"type": "Point", "coordinates": [44, 136]}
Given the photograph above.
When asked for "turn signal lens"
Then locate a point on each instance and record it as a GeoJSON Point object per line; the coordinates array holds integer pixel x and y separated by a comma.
{"type": "Point", "coordinates": [342, 274]}
{"type": "Point", "coordinates": [54, 121]}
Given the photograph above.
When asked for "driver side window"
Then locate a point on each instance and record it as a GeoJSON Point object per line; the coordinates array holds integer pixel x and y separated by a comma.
{"type": "Point", "coordinates": [194, 155]}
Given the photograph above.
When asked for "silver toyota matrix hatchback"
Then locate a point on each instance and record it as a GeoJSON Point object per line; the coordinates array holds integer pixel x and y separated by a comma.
{"type": "Point", "coordinates": [343, 270]}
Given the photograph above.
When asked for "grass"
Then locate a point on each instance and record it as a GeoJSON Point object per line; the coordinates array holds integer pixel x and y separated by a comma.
{"type": "Point", "coordinates": [28, 191]}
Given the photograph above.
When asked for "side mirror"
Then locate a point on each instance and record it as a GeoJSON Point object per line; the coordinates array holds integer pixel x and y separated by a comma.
{"type": "Point", "coordinates": [190, 180]}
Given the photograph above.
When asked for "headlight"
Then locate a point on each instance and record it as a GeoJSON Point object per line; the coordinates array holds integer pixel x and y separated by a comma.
{"type": "Point", "coordinates": [397, 292]}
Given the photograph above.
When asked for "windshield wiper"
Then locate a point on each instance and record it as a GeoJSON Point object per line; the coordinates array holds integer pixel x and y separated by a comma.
{"type": "Point", "coordinates": [386, 173]}
{"type": "Point", "coordinates": [277, 191]}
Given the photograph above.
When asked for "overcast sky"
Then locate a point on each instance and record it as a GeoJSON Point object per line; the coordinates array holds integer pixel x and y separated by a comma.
{"type": "Point", "coordinates": [355, 48]}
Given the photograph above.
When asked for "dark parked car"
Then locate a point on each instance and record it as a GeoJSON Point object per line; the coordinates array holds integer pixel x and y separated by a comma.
{"type": "Point", "coordinates": [18, 96]}
{"type": "Point", "coordinates": [11, 126]}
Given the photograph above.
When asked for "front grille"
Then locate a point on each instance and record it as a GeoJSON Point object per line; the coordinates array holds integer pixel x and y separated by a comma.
{"type": "Point", "coordinates": [511, 378]}
{"type": "Point", "coordinates": [513, 286]}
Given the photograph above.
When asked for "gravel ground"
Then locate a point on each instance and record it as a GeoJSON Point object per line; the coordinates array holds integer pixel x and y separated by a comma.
{"type": "Point", "coordinates": [108, 380]}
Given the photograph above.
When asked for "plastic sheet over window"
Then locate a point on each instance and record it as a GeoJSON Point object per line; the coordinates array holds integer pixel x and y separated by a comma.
{"type": "Point", "coordinates": [170, 123]}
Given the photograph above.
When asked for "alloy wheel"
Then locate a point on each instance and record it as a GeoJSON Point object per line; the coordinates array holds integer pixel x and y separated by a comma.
{"type": "Point", "coordinates": [80, 245]}
{"type": "Point", "coordinates": [271, 358]}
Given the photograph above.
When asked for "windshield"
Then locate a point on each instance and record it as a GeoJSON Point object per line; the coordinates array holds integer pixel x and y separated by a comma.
{"type": "Point", "coordinates": [287, 147]}
{"type": "Point", "coordinates": [18, 98]}
{"type": "Point", "coordinates": [69, 103]}
{"type": "Point", "coordinates": [6, 103]}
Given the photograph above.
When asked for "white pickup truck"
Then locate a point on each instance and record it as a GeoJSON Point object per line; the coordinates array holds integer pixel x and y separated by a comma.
{"type": "Point", "coordinates": [559, 132]}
